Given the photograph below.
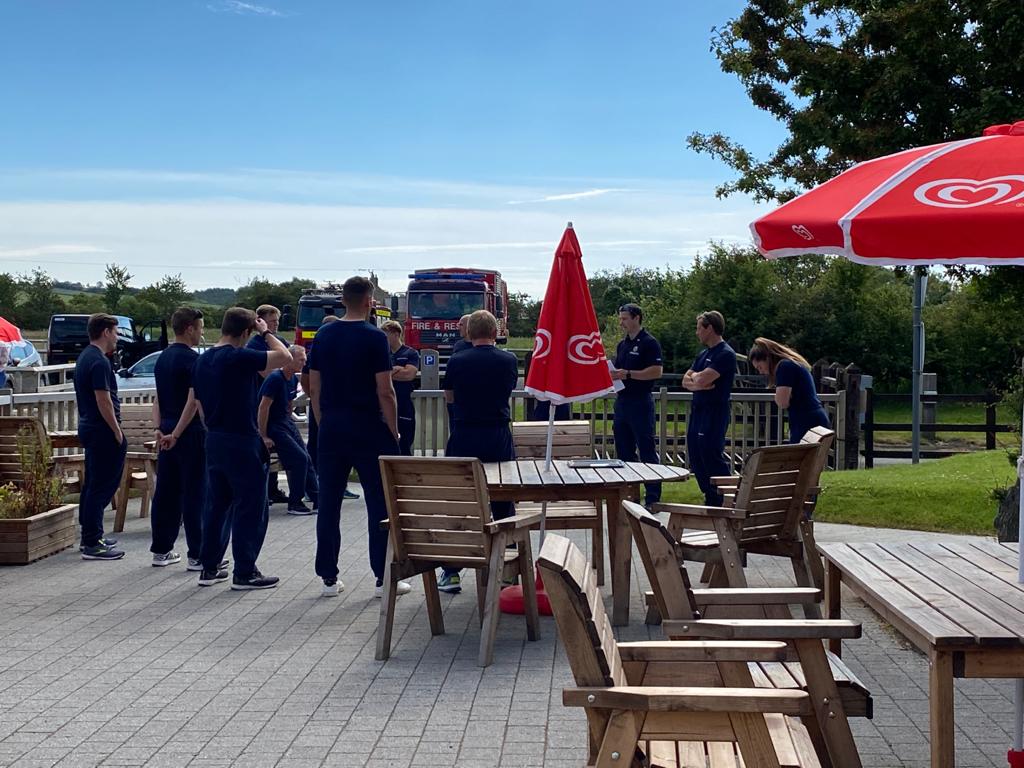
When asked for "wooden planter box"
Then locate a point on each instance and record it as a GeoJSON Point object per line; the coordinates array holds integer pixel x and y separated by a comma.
{"type": "Point", "coordinates": [29, 539]}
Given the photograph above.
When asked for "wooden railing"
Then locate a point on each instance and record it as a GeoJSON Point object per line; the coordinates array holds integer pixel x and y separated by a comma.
{"type": "Point", "coordinates": [756, 421]}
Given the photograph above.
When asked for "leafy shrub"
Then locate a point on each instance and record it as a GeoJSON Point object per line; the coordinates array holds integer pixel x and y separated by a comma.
{"type": "Point", "coordinates": [40, 486]}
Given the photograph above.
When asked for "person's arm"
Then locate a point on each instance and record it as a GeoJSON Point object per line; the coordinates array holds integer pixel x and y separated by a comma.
{"type": "Point", "coordinates": [784, 380]}
{"type": "Point", "coordinates": [404, 372]}
{"type": "Point", "coordinates": [156, 417]}
{"type": "Point", "coordinates": [783, 396]}
{"type": "Point", "coordinates": [388, 401]}
{"type": "Point", "coordinates": [705, 379]}
{"type": "Point", "coordinates": [314, 394]}
{"type": "Point", "coordinates": [187, 414]}
{"type": "Point", "coordinates": [277, 352]}
{"type": "Point", "coordinates": [106, 408]}
{"type": "Point", "coordinates": [263, 417]}
{"type": "Point", "coordinates": [647, 374]}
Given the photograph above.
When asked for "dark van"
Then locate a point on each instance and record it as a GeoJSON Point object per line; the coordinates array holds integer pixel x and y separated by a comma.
{"type": "Point", "coordinates": [68, 335]}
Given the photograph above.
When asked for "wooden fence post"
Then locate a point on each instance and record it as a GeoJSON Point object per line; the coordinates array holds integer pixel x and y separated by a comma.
{"type": "Point", "coordinates": [869, 429]}
{"type": "Point", "coordinates": [661, 414]}
{"type": "Point", "coordinates": [851, 436]}
{"type": "Point", "coordinates": [990, 420]}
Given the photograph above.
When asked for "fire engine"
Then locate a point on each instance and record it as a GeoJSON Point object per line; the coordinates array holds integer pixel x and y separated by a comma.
{"type": "Point", "coordinates": [437, 298]}
{"type": "Point", "coordinates": [317, 303]}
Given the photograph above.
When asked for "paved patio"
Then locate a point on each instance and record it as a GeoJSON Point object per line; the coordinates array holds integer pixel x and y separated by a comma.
{"type": "Point", "coordinates": [125, 664]}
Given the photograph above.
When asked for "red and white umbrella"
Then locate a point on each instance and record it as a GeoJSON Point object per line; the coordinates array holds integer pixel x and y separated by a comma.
{"type": "Point", "coordinates": [961, 202]}
{"type": "Point", "coordinates": [9, 331]}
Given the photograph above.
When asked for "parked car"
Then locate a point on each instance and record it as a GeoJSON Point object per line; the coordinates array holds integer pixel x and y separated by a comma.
{"type": "Point", "coordinates": [68, 336]}
{"type": "Point", "coordinates": [142, 375]}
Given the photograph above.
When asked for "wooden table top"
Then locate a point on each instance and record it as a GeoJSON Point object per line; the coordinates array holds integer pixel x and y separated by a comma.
{"type": "Point", "coordinates": [64, 439]}
{"type": "Point", "coordinates": [940, 594]}
{"type": "Point", "coordinates": [526, 473]}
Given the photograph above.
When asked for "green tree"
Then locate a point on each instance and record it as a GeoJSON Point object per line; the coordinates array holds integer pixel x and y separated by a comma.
{"type": "Point", "coordinates": [166, 295]}
{"type": "Point", "coordinates": [523, 312]}
{"type": "Point", "coordinates": [39, 300]}
{"type": "Point", "coordinates": [116, 286]}
{"type": "Point", "coordinates": [86, 304]}
{"type": "Point", "coordinates": [8, 296]}
{"type": "Point", "coordinates": [855, 79]}
{"type": "Point", "coordinates": [259, 290]}
{"type": "Point", "coordinates": [140, 310]}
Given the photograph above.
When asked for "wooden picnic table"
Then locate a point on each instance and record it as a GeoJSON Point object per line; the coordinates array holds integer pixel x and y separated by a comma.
{"type": "Point", "coordinates": [527, 480]}
{"type": "Point", "coordinates": [64, 439]}
{"type": "Point", "coordinates": [958, 602]}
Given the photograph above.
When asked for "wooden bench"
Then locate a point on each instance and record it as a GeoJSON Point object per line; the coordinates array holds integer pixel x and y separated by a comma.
{"type": "Point", "coordinates": [688, 704]}
{"type": "Point", "coordinates": [679, 603]}
{"type": "Point", "coordinates": [439, 513]}
{"type": "Point", "coordinates": [140, 462]}
{"type": "Point", "coordinates": [570, 440]}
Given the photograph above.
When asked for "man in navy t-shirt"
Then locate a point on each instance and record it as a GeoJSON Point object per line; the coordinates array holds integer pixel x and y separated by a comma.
{"type": "Point", "coordinates": [271, 315]}
{"type": "Point", "coordinates": [710, 379]}
{"type": "Point", "coordinates": [355, 405]}
{"type": "Point", "coordinates": [279, 432]}
{"type": "Point", "coordinates": [181, 464]}
{"type": "Point", "coordinates": [405, 366]}
{"type": "Point", "coordinates": [99, 429]}
{"type": "Point", "coordinates": [637, 365]}
{"type": "Point", "coordinates": [236, 459]}
{"type": "Point", "coordinates": [478, 383]}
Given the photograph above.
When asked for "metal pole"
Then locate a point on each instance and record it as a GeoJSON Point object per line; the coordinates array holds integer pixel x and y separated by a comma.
{"type": "Point", "coordinates": [918, 364]}
{"type": "Point", "coordinates": [1018, 721]}
{"type": "Point", "coordinates": [547, 468]}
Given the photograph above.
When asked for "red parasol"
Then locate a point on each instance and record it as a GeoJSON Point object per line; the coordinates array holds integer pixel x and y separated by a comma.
{"type": "Point", "coordinates": [9, 331]}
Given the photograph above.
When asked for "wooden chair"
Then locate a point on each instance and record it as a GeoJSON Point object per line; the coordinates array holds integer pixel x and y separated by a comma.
{"type": "Point", "coordinates": [763, 518]}
{"type": "Point", "coordinates": [570, 440]}
{"type": "Point", "coordinates": [439, 513]}
{"type": "Point", "coordinates": [140, 463]}
{"type": "Point", "coordinates": [822, 674]}
{"type": "Point", "coordinates": [684, 704]}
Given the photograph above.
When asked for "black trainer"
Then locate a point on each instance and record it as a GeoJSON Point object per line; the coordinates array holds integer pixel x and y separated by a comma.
{"type": "Point", "coordinates": [255, 581]}
{"type": "Point", "coordinates": [209, 578]}
{"type": "Point", "coordinates": [104, 542]}
{"type": "Point", "coordinates": [101, 552]}
{"type": "Point", "coordinates": [277, 496]}
{"type": "Point", "coordinates": [298, 508]}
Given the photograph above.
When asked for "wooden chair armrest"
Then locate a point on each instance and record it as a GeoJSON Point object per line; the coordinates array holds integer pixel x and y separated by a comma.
{"type": "Point", "coordinates": [686, 699]}
{"type": "Point", "coordinates": [699, 511]}
{"type": "Point", "coordinates": [752, 596]}
{"type": "Point", "coordinates": [724, 481]}
{"type": "Point", "coordinates": [70, 458]}
{"type": "Point", "coordinates": [514, 523]}
{"type": "Point", "coordinates": [763, 629]}
{"type": "Point", "coordinates": [702, 650]}
{"type": "Point", "coordinates": [140, 456]}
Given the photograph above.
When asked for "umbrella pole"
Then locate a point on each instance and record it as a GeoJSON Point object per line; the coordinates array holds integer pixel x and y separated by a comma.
{"type": "Point", "coordinates": [1018, 721]}
{"type": "Point", "coordinates": [920, 277]}
{"type": "Point", "coordinates": [547, 468]}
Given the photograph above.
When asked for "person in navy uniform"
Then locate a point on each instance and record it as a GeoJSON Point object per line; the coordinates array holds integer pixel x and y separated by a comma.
{"type": "Point", "coordinates": [278, 430]}
{"type": "Point", "coordinates": [271, 315]}
{"type": "Point", "coordinates": [478, 383]}
{"type": "Point", "coordinates": [710, 380]}
{"type": "Point", "coordinates": [790, 374]}
{"type": "Point", "coordinates": [463, 343]}
{"type": "Point", "coordinates": [353, 398]}
{"type": "Point", "coordinates": [99, 430]}
{"type": "Point", "coordinates": [405, 366]}
{"type": "Point", "coordinates": [181, 464]}
{"type": "Point", "coordinates": [637, 365]}
{"type": "Point", "coordinates": [236, 459]}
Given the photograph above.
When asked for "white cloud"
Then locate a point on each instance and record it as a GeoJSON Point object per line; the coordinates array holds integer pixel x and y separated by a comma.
{"type": "Point", "coordinates": [243, 263]}
{"type": "Point", "coordinates": [569, 196]}
{"type": "Point", "coordinates": [243, 9]}
{"type": "Point", "coordinates": [48, 250]}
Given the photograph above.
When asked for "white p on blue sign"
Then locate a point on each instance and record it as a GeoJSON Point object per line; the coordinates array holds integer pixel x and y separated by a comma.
{"type": "Point", "coordinates": [429, 360]}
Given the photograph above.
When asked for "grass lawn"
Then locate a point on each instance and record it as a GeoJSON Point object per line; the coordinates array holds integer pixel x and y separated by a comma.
{"type": "Point", "coordinates": [951, 495]}
{"type": "Point", "coordinates": [947, 413]}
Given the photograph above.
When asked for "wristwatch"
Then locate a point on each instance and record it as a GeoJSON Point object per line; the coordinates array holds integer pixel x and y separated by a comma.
{"type": "Point", "coordinates": [264, 333]}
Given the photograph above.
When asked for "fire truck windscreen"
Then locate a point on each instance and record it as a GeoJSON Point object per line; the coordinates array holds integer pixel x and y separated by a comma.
{"type": "Point", "coordinates": [444, 305]}
{"type": "Point", "coordinates": [311, 315]}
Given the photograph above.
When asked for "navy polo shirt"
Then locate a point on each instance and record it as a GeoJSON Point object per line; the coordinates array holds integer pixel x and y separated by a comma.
{"type": "Point", "coordinates": [403, 389]}
{"type": "Point", "coordinates": [482, 379]}
{"type": "Point", "coordinates": [349, 354]}
{"type": "Point", "coordinates": [461, 346]}
{"type": "Point", "coordinates": [635, 355]}
{"type": "Point", "coordinates": [222, 380]}
{"type": "Point", "coordinates": [257, 342]}
{"type": "Point", "coordinates": [93, 371]}
{"type": "Point", "coordinates": [721, 358]}
{"type": "Point", "coordinates": [281, 391]}
{"type": "Point", "coordinates": [805, 408]}
{"type": "Point", "coordinates": [173, 373]}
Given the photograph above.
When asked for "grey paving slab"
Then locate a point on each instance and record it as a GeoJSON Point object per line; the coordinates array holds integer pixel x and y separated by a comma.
{"type": "Point", "coordinates": [125, 664]}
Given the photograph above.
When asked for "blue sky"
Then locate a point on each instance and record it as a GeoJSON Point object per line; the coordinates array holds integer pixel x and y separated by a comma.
{"type": "Point", "coordinates": [224, 139]}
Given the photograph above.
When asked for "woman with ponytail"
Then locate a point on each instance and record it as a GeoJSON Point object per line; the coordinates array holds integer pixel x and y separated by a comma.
{"type": "Point", "coordinates": [790, 374]}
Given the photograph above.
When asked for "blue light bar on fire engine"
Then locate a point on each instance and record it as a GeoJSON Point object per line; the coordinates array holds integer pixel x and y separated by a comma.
{"type": "Point", "coordinates": [448, 276]}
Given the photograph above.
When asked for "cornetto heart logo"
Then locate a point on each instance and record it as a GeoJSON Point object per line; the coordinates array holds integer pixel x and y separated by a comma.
{"type": "Point", "coordinates": [970, 193]}
{"type": "Point", "coordinates": [541, 344]}
{"type": "Point", "coordinates": [586, 349]}
{"type": "Point", "coordinates": [803, 231]}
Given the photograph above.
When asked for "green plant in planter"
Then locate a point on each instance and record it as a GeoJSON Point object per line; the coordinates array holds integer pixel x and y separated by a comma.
{"type": "Point", "coordinates": [40, 487]}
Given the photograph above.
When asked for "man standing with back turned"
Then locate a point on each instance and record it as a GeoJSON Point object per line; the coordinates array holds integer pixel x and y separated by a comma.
{"type": "Point", "coordinates": [637, 366]}
{"type": "Point", "coordinates": [355, 405]}
{"type": "Point", "coordinates": [99, 429]}
{"type": "Point", "coordinates": [710, 380]}
{"type": "Point", "coordinates": [236, 459]}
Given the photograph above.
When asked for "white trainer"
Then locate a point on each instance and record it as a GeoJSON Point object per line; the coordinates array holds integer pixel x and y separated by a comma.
{"type": "Point", "coordinates": [332, 588]}
{"type": "Point", "coordinates": [401, 588]}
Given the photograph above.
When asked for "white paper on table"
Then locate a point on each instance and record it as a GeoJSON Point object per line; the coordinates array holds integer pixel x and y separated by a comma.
{"type": "Point", "coordinates": [617, 384]}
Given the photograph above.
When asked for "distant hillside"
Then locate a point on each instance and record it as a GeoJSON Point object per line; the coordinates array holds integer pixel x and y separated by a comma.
{"type": "Point", "coordinates": [217, 297]}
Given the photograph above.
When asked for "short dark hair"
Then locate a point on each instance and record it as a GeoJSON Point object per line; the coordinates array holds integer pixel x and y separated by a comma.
{"type": "Point", "coordinates": [237, 321]}
{"type": "Point", "coordinates": [264, 310]}
{"type": "Point", "coordinates": [355, 290]}
{"type": "Point", "coordinates": [100, 322]}
{"type": "Point", "coordinates": [184, 318]}
{"type": "Point", "coordinates": [714, 319]}
{"type": "Point", "coordinates": [633, 309]}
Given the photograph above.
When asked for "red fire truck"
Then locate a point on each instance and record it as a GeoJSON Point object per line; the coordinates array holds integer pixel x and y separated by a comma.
{"type": "Point", "coordinates": [437, 298]}
{"type": "Point", "coordinates": [315, 303]}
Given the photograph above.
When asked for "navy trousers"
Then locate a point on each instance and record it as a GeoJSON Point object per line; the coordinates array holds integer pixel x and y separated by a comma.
{"type": "Point", "coordinates": [341, 449]}
{"type": "Point", "coordinates": [407, 433]}
{"type": "Point", "coordinates": [312, 438]}
{"type": "Point", "coordinates": [104, 465]}
{"type": "Point", "coordinates": [236, 500]}
{"type": "Point", "coordinates": [180, 493]}
{"type": "Point", "coordinates": [705, 448]}
{"type": "Point", "coordinates": [298, 466]}
{"type": "Point", "coordinates": [634, 433]}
